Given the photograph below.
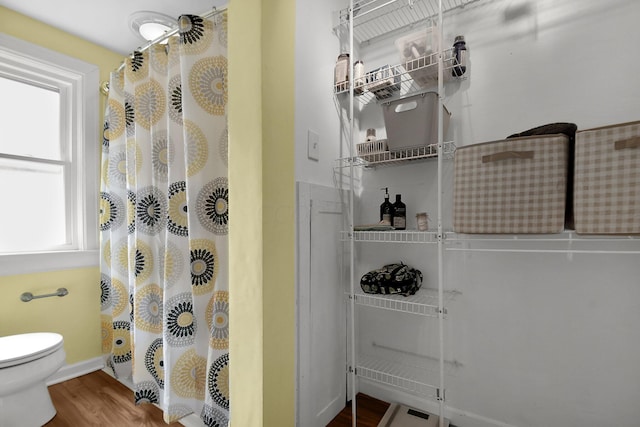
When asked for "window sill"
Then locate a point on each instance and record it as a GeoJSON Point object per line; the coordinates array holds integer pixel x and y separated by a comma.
{"type": "Point", "coordinates": [28, 263]}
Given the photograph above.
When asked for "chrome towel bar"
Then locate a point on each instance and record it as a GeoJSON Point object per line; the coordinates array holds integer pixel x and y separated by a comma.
{"type": "Point", "coordinates": [28, 296]}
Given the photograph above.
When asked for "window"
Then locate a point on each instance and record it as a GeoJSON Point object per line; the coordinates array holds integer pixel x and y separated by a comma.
{"type": "Point", "coordinates": [48, 159]}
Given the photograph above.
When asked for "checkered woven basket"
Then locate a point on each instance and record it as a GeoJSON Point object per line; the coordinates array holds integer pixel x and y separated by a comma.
{"type": "Point", "coordinates": [515, 186]}
{"type": "Point", "coordinates": [607, 180]}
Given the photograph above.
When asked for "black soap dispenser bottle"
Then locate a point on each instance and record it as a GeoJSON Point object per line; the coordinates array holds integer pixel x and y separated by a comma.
{"type": "Point", "coordinates": [399, 214]}
{"type": "Point", "coordinates": [386, 209]}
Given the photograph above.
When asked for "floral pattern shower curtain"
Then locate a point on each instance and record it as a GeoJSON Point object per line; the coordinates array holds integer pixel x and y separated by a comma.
{"type": "Point", "coordinates": [164, 219]}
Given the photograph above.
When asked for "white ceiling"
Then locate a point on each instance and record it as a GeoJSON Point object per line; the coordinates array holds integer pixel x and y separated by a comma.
{"type": "Point", "coordinates": [105, 23]}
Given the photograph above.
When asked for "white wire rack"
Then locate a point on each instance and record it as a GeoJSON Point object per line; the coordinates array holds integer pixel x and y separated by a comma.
{"type": "Point", "coordinates": [393, 353]}
{"type": "Point", "coordinates": [566, 242]}
{"type": "Point", "coordinates": [409, 236]}
{"type": "Point", "coordinates": [424, 302]}
{"type": "Point", "coordinates": [411, 78]}
{"type": "Point", "coordinates": [390, 158]}
{"type": "Point", "coordinates": [565, 236]}
{"type": "Point", "coordinates": [413, 379]}
{"type": "Point", "coordinates": [377, 18]}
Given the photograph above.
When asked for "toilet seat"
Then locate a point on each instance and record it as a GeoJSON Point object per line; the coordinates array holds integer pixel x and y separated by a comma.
{"type": "Point", "coordinates": [23, 348]}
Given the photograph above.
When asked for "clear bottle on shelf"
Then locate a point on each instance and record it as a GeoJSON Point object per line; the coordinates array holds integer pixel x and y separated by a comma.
{"type": "Point", "coordinates": [341, 73]}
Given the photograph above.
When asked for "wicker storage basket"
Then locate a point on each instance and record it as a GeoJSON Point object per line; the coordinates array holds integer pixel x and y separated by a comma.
{"type": "Point", "coordinates": [607, 180]}
{"type": "Point", "coordinates": [515, 186]}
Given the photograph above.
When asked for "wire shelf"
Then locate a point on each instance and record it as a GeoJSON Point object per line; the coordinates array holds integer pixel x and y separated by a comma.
{"type": "Point", "coordinates": [565, 236]}
{"type": "Point", "coordinates": [424, 302]}
{"type": "Point", "coordinates": [568, 242]}
{"type": "Point", "coordinates": [411, 78]}
{"type": "Point", "coordinates": [394, 353]}
{"type": "Point", "coordinates": [415, 380]}
{"type": "Point", "coordinates": [410, 236]}
{"type": "Point", "coordinates": [377, 18]}
{"type": "Point", "coordinates": [391, 158]}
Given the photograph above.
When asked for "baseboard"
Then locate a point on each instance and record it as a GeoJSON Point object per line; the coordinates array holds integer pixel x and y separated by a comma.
{"type": "Point", "coordinates": [68, 372]}
{"type": "Point", "coordinates": [191, 420]}
{"type": "Point", "coordinates": [458, 417]}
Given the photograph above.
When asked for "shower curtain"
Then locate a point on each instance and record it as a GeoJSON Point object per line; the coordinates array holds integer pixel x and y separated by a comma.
{"type": "Point", "coordinates": [164, 217]}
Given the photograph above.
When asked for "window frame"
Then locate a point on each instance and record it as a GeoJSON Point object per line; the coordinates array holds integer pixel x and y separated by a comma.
{"type": "Point", "coordinates": [78, 84]}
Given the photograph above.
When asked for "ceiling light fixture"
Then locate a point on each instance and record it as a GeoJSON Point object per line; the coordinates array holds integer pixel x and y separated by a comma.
{"type": "Point", "coordinates": [151, 25]}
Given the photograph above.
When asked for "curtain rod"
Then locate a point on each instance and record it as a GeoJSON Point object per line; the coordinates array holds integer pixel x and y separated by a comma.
{"type": "Point", "coordinates": [168, 34]}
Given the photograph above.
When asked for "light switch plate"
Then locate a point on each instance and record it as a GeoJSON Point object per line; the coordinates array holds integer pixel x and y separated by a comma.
{"type": "Point", "coordinates": [313, 145]}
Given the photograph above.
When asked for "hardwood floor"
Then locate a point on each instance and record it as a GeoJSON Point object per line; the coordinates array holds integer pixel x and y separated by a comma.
{"type": "Point", "coordinates": [97, 399]}
{"type": "Point", "coordinates": [369, 412]}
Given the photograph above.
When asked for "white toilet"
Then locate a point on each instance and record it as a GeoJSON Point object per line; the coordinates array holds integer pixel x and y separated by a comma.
{"type": "Point", "coordinates": [26, 361]}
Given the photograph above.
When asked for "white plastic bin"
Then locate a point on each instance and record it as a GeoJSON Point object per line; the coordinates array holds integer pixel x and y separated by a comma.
{"type": "Point", "coordinates": [413, 121]}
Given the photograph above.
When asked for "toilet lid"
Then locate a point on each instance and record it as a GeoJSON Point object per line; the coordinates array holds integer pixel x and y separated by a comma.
{"type": "Point", "coordinates": [16, 349]}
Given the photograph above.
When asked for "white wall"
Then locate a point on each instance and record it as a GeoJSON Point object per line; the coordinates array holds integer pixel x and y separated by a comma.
{"type": "Point", "coordinates": [546, 339]}
{"type": "Point", "coordinates": [317, 48]}
{"type": "Point", "coordinates": [568, 60]}
{"type": "Point", "coordinates": [541, 339]}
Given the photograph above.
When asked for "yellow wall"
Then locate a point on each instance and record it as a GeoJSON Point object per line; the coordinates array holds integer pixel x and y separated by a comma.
{"type": "Point", "coordinates": [245, 201]}
{"type": "Point", "coordinates": [279, 206]}
{"type": "Point", "coordinates": [262, 230]}
{"type": "Point", "coordinates": [76, 316]}
{"type": "Point", "coordinates": [28, 29]}
{"type": "Point", "coordinates": [261, 129]}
